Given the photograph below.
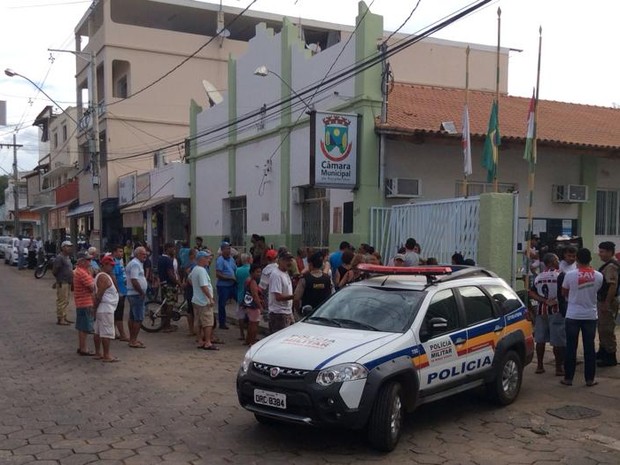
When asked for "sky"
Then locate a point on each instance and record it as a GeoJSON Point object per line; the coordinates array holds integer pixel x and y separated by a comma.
{"type": "Point", "coordinates": [579, 60]}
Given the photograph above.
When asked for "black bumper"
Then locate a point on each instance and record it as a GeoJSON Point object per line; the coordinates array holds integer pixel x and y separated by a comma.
{"type": "Point", "coordinates": [306, 402]}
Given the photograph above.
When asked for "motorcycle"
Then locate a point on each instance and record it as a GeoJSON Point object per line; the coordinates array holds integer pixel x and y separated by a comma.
{"type": "Point", "coordinates": [43, 265]}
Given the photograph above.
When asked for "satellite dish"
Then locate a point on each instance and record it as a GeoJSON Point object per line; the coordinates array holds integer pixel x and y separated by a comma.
{"type": "Point", "coordinates": [314, 48]}
{"type": "Point", "coordinates": [212, 93]}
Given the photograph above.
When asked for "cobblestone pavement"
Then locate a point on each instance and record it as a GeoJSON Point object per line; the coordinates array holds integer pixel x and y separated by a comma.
{"type": "Point", "coordinates": [171, 403]}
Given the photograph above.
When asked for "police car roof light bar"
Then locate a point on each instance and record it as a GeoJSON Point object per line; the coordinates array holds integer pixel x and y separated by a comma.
{"type": "Point", "coordinates": [409, 270]}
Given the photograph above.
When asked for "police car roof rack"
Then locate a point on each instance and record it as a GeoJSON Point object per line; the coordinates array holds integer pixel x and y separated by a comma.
{"type": "Point", "coordinates": [430, 271]}
{"type": "Point", "coordinates": [463, 271]}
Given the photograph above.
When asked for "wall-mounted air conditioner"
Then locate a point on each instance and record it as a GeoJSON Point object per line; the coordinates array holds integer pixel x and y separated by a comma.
{"type": "Point", "coordinates": [403, 188]}
{"type": "Point", "coordinates": [569, 193]}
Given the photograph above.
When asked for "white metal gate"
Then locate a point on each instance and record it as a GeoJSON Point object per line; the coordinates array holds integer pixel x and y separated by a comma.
{"type": "Point", "coordinates": [441, 227]}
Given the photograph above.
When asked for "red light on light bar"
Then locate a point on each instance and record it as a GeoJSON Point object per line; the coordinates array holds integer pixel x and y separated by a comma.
{"type": "Point", "coordinates": [412, 270]}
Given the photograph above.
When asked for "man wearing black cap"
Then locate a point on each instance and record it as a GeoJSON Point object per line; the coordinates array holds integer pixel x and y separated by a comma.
{"type": "Point", "coordinates": [607, 305]}
{"type": "Point", "coordinates": [62, 270]}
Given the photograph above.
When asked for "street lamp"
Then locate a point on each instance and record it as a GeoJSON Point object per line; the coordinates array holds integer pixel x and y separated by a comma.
{"type": "Point", "coordinates": [10, 73]}
{"type": "Point", "coordinates": [263, 71]}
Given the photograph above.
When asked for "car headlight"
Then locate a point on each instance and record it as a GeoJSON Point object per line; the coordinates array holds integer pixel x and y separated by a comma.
{"type": "Point", "coordinates": [341, 373]}
{"type": "Point", "coordinates": [247, 360]}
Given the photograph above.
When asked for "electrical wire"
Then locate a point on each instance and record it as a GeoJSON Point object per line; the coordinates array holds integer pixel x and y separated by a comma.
{"type": "Point", "coordinates": [186, 59]}
{"type": "Point", "coordinates": [403, 23]}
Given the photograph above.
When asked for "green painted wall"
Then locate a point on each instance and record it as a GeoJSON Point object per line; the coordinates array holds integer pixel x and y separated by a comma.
{"type": "Point", "coordinates": [587, 211]}
{"type": "Point", "coordinates": [194, 110]}
{"type": "Point", "coordinates": [495, 241]}
{"type": "Point", "coordinates": [368, 91]}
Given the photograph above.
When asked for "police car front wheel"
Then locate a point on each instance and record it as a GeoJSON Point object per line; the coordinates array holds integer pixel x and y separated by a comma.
{"type": "Point", "coordinates": [386, 420]}
{"type": "Point", "coordinates": [505, 388]}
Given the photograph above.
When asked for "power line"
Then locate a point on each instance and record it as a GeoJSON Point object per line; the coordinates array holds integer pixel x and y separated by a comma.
{"type": "Point", "coordinates": [404, 22]}
{"type": "Point", "coordinates": [186, 59]}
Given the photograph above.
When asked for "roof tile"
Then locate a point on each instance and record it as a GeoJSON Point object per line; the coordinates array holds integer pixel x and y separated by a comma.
{"type": "Point", "coordinates": [415, 108]}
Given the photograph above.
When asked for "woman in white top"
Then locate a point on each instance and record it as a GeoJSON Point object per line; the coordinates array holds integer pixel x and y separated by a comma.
{"type": "Point", "coordinates": [106, 299]}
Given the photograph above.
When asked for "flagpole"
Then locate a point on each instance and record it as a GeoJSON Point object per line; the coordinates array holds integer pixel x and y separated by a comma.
{"type": "Point", "coordinates": [467, 50]}
{"type": "Point", "coordinates": [532, 164]}
{"type": "Point", "coordinates": [499, 29]}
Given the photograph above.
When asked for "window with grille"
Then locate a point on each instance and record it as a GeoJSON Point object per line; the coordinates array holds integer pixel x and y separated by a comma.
{"type": "Point", "coordinates": [315, 218]}
{"type": "Point", "coordinates": [476, 188]}
{"type": "Point", "coordinates": [238, 221]}
{"type": "Point", "coordinates": [607, 213]}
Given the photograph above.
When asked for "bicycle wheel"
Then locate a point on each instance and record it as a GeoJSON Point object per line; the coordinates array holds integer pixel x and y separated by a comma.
{"type": "Point", "coordinates": [40, 271]}
{"type": "Point", "coordinates": [152, 317]}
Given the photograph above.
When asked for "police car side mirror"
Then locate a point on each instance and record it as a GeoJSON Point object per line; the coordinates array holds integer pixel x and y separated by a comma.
{"type": "Point", "coordinates": [307, 310]}
{"type": "Point", "coordinates": [437, 325]}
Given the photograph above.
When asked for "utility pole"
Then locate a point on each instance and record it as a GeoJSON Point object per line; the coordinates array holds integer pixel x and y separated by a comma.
{"type": "Point", "coordinates": [15, 146]}
{"type": "Point", "coordinates": [95, 235]}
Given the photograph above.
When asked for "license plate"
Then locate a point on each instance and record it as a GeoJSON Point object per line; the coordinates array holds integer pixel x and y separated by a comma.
{"type": "Point", "coordinates": [270, 399]}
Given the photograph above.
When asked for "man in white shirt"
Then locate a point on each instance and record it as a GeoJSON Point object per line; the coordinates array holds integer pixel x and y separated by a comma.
{"type": "Point", "coordinates": [136, 294]}
{"type": "Point", "coordinates": [569, 259]}
{"type": "Point", "coordinates": [280, 294]}
{"type": "Point", "coordinates": [202, 299]}
{"type": "Point", "coordinates": [580, 287]}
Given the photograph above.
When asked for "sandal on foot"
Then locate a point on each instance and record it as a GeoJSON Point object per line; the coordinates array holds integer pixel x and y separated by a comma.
{"type": "Point", "coordinates": [566, 382]}
{"type": "Point", "coordinates": [137, 345]}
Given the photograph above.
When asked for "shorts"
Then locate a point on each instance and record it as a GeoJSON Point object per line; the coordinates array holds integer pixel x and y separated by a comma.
{"type": "Point", "coordinates": [204, 315]}
{"type": "Point", "coordinates": [136, 308]}
{"type": "Point", "coordinates": [169, 293]}
{"type": "Point", "coordinates": [241, 314]}
{"type": "Point", "coordinates": [550, 328]}
{"type": "Point", "coordinates": [278, 321]}
{"type": "Point", "coordinates": [84, 319]}
{"type": "Point", "coordinates": [253, 314]}
{"type": "Point", "coordinates": [119, 313]}
{"type": "Point", "coordinates": [104, 325]}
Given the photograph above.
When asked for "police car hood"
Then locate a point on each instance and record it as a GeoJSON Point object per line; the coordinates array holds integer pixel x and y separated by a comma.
{"type": "Point", "coordinates": [312, 347]}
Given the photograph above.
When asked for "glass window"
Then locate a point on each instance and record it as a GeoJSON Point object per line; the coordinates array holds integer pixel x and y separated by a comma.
{"type": "Point", "coordinates": [369, 308]}
{"type": "Point", "coordinates": [478, 307]}
{"type": "Point", "coordinates": [443, 305]}
{"type": "Point", "coordinates": [64, 132]}
{"type": "Point", "coordinates": [505, 297]}
{"type": "Point", "coordinates": [607, 213]}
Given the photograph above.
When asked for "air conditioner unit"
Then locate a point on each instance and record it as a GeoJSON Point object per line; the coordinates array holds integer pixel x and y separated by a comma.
{"type": "Point", "coordinates": [569, 193]}
{"type": "Point", "coordinates": [403, 188]}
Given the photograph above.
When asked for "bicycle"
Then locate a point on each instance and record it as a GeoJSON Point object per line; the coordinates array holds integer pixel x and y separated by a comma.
{"type": "Point", "coordinates": [152, 322]}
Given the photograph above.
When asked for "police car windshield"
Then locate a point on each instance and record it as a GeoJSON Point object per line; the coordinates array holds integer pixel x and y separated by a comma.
{"type": "Point", "coordinates": [371, 308]}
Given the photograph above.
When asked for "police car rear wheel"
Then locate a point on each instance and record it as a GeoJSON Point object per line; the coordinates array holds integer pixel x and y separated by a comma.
{"type": "Point", "coordinates": [386, 420]}
{"type": "Point", "coordinates": [505, 388]}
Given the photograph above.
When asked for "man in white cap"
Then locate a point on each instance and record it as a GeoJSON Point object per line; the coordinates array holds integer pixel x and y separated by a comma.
{"type": "Point", "coordinates": [62, 270]}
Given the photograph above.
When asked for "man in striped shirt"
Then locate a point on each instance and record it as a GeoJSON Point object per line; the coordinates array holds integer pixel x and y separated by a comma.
{"type": "Point", "coordinates": [548, 320]}
{"type": "Point", "coordinates": [83, 288]}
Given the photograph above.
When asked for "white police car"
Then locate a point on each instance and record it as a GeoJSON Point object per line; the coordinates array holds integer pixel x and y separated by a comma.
{"type": "Point", "coordinates": [384, 345]}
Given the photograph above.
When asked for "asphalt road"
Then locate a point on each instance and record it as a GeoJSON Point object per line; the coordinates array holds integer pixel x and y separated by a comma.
{"type": "Point", "coordinates": [171, 403]}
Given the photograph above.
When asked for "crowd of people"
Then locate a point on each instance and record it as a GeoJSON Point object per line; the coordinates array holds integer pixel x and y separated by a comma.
{"type": "Point", "coordinates": [567, 295]}
{"type": "Point", "coordinates": [571, 298]}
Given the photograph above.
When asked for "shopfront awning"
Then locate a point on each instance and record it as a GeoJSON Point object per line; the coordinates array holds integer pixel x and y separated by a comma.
{"type": "Point", "coordinates": [81, 210]}
{"type": "Point", "coordinates": [150, 203]}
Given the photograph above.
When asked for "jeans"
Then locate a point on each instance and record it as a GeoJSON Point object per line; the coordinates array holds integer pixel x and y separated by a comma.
{"type": "Point", "coordinates": [588, 332]}
{"type": "Point", "coordinates": [223, 294]}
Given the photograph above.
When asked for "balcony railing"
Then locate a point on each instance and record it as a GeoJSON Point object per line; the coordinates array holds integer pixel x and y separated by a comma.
{"type": "Point", "coordinates": [44, 200]}
{"type": "Point", "coordinates": [86, 121]}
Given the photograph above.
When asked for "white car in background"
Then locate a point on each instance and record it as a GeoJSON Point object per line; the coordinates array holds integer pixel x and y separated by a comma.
{"type": "Point", "coordinates": [12, 254]}
{"type": "Point", "coordinates": [4, 243]}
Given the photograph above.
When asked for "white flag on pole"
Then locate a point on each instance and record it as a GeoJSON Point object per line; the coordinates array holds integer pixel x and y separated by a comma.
{"type": "Point", "coordinates": [467, 170]}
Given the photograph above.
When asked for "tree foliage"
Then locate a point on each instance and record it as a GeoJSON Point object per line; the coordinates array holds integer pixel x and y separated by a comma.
{"type": "Point", "coordinates": [4, 182]}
